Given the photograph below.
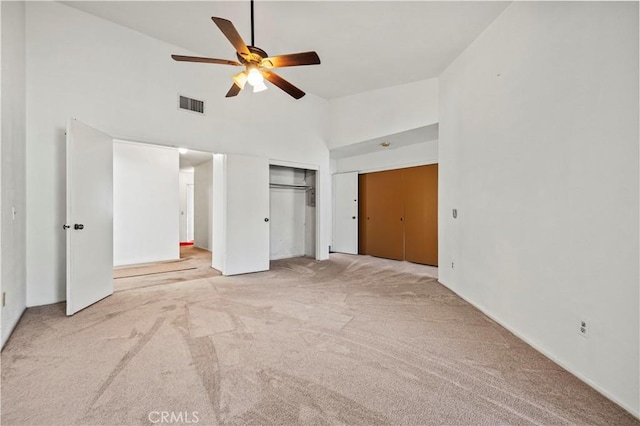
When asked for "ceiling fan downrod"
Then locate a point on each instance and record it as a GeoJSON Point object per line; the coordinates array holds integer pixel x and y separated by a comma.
{"type": "Point", "coordinates": [252, 40]}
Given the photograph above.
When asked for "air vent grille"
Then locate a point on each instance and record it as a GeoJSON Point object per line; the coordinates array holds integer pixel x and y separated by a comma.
{"type": "Point", "coordinates": [190, 104]}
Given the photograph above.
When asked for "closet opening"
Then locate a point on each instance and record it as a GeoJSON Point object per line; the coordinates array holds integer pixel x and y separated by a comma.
{"type": "Point", "coordinates": [292, 206]}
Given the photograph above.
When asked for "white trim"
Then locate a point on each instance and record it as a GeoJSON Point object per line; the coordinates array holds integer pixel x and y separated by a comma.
{"type": "Point", "coordinates": [293, 164]}
{"type": "Point", "coordinates": [153, 145]}
{"type": "Point", "coordinates": [392, 166]}
{"type": "Point", "coordinates": [546, 353]}
{"type": "Point", "coordinates": [126, 139]}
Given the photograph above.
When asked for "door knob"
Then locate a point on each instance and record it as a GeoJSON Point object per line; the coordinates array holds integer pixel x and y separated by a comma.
{"type": "Point", "coordinates": [353, 217]}
{"type": "Point", "coordinates": [266, 219]}
{"type": "Point", "coordinates": [78, 226]}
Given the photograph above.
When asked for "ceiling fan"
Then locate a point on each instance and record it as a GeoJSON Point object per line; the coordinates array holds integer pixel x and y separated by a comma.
{"type": "Point", "coordinates": [257, 63]}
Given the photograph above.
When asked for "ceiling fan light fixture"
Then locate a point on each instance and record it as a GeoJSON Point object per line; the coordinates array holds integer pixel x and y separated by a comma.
{"type": "Point", "coordinates": [260, 87]}
{"type": "Point", "coordinates": [240, 79]}
{"type": "Point", "coordinates": [255, 78]}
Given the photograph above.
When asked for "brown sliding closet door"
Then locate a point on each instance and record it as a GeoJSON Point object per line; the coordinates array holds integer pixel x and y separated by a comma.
{"type": "Point", "coordinates": [399, 214]}
{"type": "Point", "coordinates": [384, 214]}
{"type": "Point", "coordinates": [421, 214]}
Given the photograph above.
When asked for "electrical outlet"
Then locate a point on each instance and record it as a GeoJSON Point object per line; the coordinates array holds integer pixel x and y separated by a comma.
{"type": "Point", "coordinates": [452, 265]}
{"type": "Point", "coordinates": [583, 328]}
{"type": "Point", "coordinates": [4, 298]}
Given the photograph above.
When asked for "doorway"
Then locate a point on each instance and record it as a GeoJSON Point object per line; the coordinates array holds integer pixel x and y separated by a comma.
{"type": "Point", "coordinates": [196, 181]}
{"type": "Point", "coordinates": [161, 213]}
{"type": "Point", "coordinates": [190, 214]}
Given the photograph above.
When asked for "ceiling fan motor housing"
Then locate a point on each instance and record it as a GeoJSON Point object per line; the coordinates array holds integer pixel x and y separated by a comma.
{"type": "Point", "coordinates": [255, 57]}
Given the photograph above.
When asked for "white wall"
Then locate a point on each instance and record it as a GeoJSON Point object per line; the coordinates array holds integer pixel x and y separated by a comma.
{"type": "Point", "coordinates": [376, 113]}
{"type": "Point", "coordinates": [12, 153]}
{"type": "Point", "coordinates": [310, 215]}
{"type": "Point", "coordinates": [146, 203]}
{"type": "Point", "coordinates": [185, 178]}
{"type": "Point", "coordinates": [417, 154]}
{"type": "Point", "coordinates": [539, 154]}
{"type": "Point", "coordinates": [219, 237]}
{"type": "Point", "coordinates": [125, 84]}
{"type": "Point", "coordinates": [203, 207]}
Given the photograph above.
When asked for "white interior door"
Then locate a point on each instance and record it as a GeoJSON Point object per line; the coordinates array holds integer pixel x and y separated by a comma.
{"type": "Point", "coordinates": [345, 230]}
{"type": "Point", "coordinates": [240, 214]}
{"type": "Point", "coordinates": [89, 216]}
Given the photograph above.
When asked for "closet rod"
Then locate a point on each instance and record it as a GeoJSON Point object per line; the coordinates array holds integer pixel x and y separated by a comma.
{"type": "Point", "coordinates": [284, 185]}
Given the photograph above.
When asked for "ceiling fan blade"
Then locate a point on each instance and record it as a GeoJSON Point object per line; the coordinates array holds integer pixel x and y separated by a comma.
{"type": "Point", "coordinates": [207, 60]}
{"type": "Point", "coordinates": [232, 35]}
{"type": "Point", "coordinates": [292, 60]}
{"type": "Point", "coordinates": [235, 89]}
{"type": "Point", "coordinates": [283, 84]}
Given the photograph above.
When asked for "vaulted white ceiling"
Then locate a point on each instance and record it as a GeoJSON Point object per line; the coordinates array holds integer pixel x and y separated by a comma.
{"type": "Point", "coordinates": [363, 45]}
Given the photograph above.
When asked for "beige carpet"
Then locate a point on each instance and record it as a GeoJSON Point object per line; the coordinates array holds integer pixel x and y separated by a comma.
{"type": "Point", "coordinates": [194, 263]}
{"type": "Point", "coordinates": [152, 269]}
{"type": "Point", "coordinates": [354, 340]}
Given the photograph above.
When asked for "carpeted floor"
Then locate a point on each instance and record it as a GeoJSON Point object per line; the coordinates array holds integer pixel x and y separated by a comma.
{"type": "Point", "coordinates": [151, 269]}
{"type": "Point", "coordinates": [353, 340]}
{"type": "Point", "coordinates": [194, 263]}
